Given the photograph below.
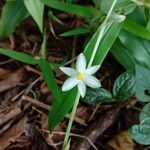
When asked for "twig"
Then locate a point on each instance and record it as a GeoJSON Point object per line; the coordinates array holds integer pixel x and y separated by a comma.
{"type": "Point", "coordinates": [96, 108]}
{"type": "Point", "coordinates": [29, 68]}
{"type": "Point", "coordinates": [80, 136]}
{"type": "Point", "coordinates": [47, 107]}
{"type": "Point", "coordinates": [31, 85]}
{"type": "Point", "coordinates": [70, 61]}
{"type": "Point", "coordinates": [12, 41]}
{"type": "Point", "coordinates": [36, 102]}
{"type": "Point", "coordinates": [7, 61]}
{"type": "Point", "coordinates": [18, 95]}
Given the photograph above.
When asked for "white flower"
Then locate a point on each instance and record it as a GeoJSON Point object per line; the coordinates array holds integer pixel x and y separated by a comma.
{"type": "Point", "coordinates": [81, 77]}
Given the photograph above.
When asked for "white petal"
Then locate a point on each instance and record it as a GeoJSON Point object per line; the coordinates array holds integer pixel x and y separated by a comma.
{"type": "Point", "coordinates": [81, 63]}
{"type": "Point", "coordinates": [68, 71]}
{"type": "Point", "coordinates": [92, 82]}
{"type": "Point", "coordinates": [92, 70]}
{"type": "Point", "coordinates": [82, 88]}
{"type": "Point", "coordinates": [70, 83]}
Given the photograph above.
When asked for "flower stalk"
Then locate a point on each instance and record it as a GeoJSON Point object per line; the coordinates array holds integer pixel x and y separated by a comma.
{"type": "Point", "coordinates": [101, 33]}
{"type": "Point", "coordinates": [66, 140]}
{"type": "Point", "coordinates": [100, 36]}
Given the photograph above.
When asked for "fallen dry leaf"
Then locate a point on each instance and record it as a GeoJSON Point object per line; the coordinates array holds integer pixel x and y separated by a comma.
{"type": "Point", "coordinates": [13, 133]}
{"type": "Point", "coordinates": [4, 73]}
{"type": "Point", "coordinates": [12, 80]}
{"type": "Point", "coordinates": [4, 117]}
{"type": "Point", "coordinates": [122, 141]}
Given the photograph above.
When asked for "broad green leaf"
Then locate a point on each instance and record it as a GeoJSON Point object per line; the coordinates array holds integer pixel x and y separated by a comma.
{"type": "Point", "coordinates": [122, 54]}
{"type": "Point", "coordinates": [148, 25]}
{"type": "Point", "coordinates": [126, 6]}
{"type": "Point", "coordinates": [141, 133]}
{"type": "Point", "coordinates": [145, 113]}
{"type": "Point", "coordinates": [12, 14]}
{"type": "Point", "coordinates": [142, 79]}
{"type": "Point", "coordinates": [98, 95]}
{"type": "Point", "coordinates": [60, 108]}
{"type": "Point", "coordinates": [124, 86]}
{"type": "Point", "coordinates": [139, 47]}
{"type": "Point", "coordinates": [137, 29]}
{"type": "Point", "coordinates": [87, 12]}
{"type": "Point", "coordinates": [105, 44]}
{"type": "Point", "coordinates": [77, 31]}
{"type": "Point", "coordinates": [19, 56]}
{"type": "Point", "coordinates": [49, 79]}
{"type": "Point", "coordinates": [36, 10]}
{"type": "Point", "coordinates": [138, 16]}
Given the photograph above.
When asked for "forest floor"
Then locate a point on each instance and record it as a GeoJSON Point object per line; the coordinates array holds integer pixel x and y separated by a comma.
{"type": "Point", "coordinates": [25, 99]}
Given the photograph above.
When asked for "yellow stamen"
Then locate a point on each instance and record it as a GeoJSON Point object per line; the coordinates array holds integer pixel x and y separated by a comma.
{"type": "Point", "coordinates": [80, 76]}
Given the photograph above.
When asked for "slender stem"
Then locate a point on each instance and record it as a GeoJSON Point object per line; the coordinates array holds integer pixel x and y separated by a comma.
{"type": "Point", "coordinates": [100, 36]}
{"type": "Point", "coordinates": [101, 33]}
{"type": "Point", "coordinates": [71, 121]}
{"type": "Point", "coordinates": [141, 110]}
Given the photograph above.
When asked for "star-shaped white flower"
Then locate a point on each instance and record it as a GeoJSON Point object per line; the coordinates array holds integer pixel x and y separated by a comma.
{"type": "Point", "coordinates": [81, 76]}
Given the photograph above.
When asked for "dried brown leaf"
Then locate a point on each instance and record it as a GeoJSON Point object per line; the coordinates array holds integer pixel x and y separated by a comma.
{"type": "Point", "coordinates": [122, 141]}
{"type": "Point", "coordinates": [12, 80]}
{"type": "Point", "coordinates": [4, 117]}
{"type": "Point", "coordinates": [4, 73]}
{"type": "Point", "coordinates": [13, 133]}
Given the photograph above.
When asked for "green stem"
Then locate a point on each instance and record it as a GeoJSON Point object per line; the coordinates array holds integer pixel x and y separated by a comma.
{"type": "Point", "coordinates": [71, 121]}
{"type": "Point", "coordinates": [100, 36]}
{"type": "Point", "coordinates": [101, 33]}
{"type": "Point", "coordinates": [141, 110]}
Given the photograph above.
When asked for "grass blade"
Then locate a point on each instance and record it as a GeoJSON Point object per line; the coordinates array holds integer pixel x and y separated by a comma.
{"type": "Point", "coordinates": [12, 14]}
{"type": "Point", "coordinates": [36, 9]}
{"type": "Point", "coordinates": [19, 56]}
{"type": "Point", "coordinates": [87, 12]}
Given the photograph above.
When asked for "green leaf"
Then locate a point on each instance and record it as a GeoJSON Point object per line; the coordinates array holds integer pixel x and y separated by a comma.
{"type": "Point", "coordinates": [77, 31]}
{"type": "Point", "coordinates": [51, 16]}
{"type": "Point", "coordinates": [145, 113]}
{"type": "Point", "coordinates": [142, 79]}
{"type": "Point", "coordinates": [141, 133]}
{"type": "Point", "coordinates": [137, 29]}
{"type": "Point", "coordinates": [12, 14]}
{"type": "Point", "coordinates": [122, 54]}
{"type": "Point", "coordinates": [124, 86]}
{"type": "Point", "coordinates": [36, 10]}
{"type": "Point", "coordinates": [87, 12]}
{"type": "Point", "coordinates": [139, 47]}
{"type": "Point", "coordinates": [148, 25]}
{"type": "Point", "coordinates": [97, 95]}
{"type": "Point", "coordinates": [19, 56]}
{"type": "Point", "coordinates": [125, 6]}
{"type": "Point", "coordinates": [49, 79]}
{"type": "Point", "coordinates": [60, 108]}
{"type": "Point", "coordinates": [105, 44]}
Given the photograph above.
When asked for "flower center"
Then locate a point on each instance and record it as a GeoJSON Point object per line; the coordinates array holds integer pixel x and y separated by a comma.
{"type": "Point", "coordinates": [80, 76]}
